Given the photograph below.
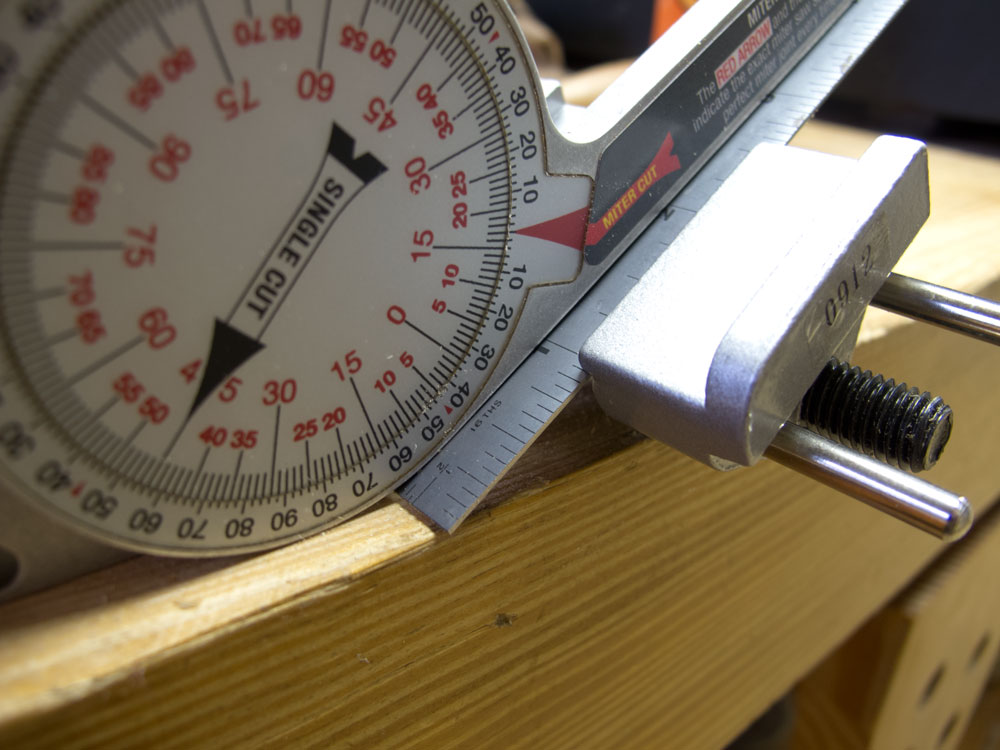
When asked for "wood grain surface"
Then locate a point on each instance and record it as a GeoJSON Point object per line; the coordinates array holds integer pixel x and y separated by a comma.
{"type": "Point", "coordinates": [912, 676]}
{"type": "Point", "coordinates": [637, 599]}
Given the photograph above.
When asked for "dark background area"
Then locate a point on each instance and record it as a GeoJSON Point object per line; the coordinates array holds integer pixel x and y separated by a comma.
{"type": "Point", "coordinates": [934, 73]}
{"type": "Point", "coordinates": [595, 31]}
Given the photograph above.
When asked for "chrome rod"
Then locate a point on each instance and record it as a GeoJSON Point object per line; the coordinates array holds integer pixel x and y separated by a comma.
{"type": "Point", "coordinates": [956, 311]}
{"type": "Point", "coordinates": [901, 495]}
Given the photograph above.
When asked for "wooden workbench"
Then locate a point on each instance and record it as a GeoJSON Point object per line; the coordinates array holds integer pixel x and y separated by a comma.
{"type": "Point", "coordinates": [620, 595]}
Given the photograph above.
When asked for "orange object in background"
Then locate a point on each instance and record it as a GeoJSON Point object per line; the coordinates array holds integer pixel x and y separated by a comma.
{"type": "Point", "coordinates": [665, 13]}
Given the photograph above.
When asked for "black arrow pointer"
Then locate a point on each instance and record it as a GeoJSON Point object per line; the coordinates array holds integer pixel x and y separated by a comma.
{"type": "Point", "coordinates": [230, 349]}
{"type": "Point", "coordinates": [237, 338]}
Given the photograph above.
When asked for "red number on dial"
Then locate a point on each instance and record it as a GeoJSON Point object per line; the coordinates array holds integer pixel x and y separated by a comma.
{"type": "Point", "coordinates": [165, 164]}
{"type": "Point", "coordinates": [232, 105]}
{"type": "Point", "coordinates": [158, 331]}
{"type": "Point", "coordinates": [314, 84]}
{"type": "Point", "coordinates": [279, 392]}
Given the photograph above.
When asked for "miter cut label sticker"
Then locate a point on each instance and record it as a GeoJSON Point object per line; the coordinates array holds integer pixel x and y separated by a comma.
{"type": "Point", "coordinates": [573, 229]}
{"type": "Point", "coordinates": [714, 94]}
{"type": "Point", "coordinates": [664, 163]}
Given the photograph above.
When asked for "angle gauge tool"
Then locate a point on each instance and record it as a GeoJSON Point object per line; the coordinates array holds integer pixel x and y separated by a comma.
{"type": "Point", "coordinates": [260, 259]}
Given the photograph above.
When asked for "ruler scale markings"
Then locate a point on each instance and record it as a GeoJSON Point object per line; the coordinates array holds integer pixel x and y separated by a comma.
{"type": "Point", "coordinates": [382, 435]}
{"type": "Point", "coordinates": [799, 85]}
{"type": "Point", "coordinates": [468, 106]}
{"type": "Point", "coordinates": [52, 197]}
{"type": "Point", "coordinates": [136, 470]}
{"type": "Point", "coordinates": [423, 333]}
{"type": "Point", "coordinates": [94, 416]}
{"type": "Point", "coordinates": [199, 490]}
{"type": "Point", "coordinates": [97, 444]}
{"type": "Point", "coordinates": [216, 44]}
{"type": "Point", "coordinates": [364, 411]}
{"type": "Point", "coordinates": [508, 434]}
{"type": "Point", "coordinates": [418, 408]}
{"type": "Point", "coordinates": [413, 69]}
{"type": "Point", "coordinates": [111, 50]}
{"type": "Point", "coordinates": [201, 466]}
{"type": "Point", "coordinates": [274, 446]}
{"type": "Point", "coordinates": [336, 457]}
{"type": "Point", "coordinates": [69, 149]}
{"type": "Point", "coordinates": [435, 375]}
{"type": "Point", "coordinates": [325, 29]}
{"type": "Point", "coordinates": [57, 338]}
{"type": "Point", "coordinates": [400, 406]}
{"type": "Point", "coordinates": [220, 487]}
{"type": "Point", "coordinates": [451, 74]}
{"type": "Point", "coordinates": [37, 295]}
{"type": "Point", "coordinates": [159, 468]}
{"type": "Point", "coordinates": [402, 19]}
{"type": "Point", "coordinates": [236, 470]}
{"type": "Point", "coordinates": [161, 32]}
{"type": "Point", "coordinates": [105, 360]}
{"type": "Point", "coordinates": [448, 47]}
{"type": "Point", "coordinates": [461, 151]}
{"type": "Point", "coordinates": [498, 460]}
{"type": "Point", "coordinates": [421, 17]}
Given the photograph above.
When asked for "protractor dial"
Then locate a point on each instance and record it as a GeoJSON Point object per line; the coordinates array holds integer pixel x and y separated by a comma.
{"type": "Point", "coordinates": [257, 259]}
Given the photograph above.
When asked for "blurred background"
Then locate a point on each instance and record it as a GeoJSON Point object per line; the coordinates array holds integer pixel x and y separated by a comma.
{"type": "Point", "coordinates": [933, 74]}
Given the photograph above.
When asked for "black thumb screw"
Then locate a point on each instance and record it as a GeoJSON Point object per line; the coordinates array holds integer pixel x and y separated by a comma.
{"type": "Point", "coordinates": [877, 417]}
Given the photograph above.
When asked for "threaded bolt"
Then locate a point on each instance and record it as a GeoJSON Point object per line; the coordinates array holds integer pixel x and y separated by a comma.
{"type": "Point", "coordinates": [877, 417]}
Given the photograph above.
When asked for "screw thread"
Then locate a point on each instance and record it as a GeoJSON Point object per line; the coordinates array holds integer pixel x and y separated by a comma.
{"type": "Point", "coordinates": [875, 416]}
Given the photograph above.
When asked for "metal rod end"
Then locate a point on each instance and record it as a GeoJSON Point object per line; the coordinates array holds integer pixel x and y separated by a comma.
{"type": "Point", "coordinates": [903, 496]}
{"type": "Point", "coordinates": [958, 521]}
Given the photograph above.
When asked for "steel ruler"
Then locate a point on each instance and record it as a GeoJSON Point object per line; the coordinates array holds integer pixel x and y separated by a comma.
{"type": "Point", "coordinates": [486, 446]}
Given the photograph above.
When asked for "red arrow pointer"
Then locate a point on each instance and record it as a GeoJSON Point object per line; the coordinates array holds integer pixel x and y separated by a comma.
{"type": "Point", "coordinates": [572, 229]}
{"type": "Point", "coordinates": [568, 229]}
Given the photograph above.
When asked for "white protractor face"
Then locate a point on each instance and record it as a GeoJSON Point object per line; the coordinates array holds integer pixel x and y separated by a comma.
{"type": "Point", "coordinates": [257, 258]}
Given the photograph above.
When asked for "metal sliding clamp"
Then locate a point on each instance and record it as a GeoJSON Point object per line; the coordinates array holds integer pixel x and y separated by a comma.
{"type": "Point", "coordinates": [747, 363]}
